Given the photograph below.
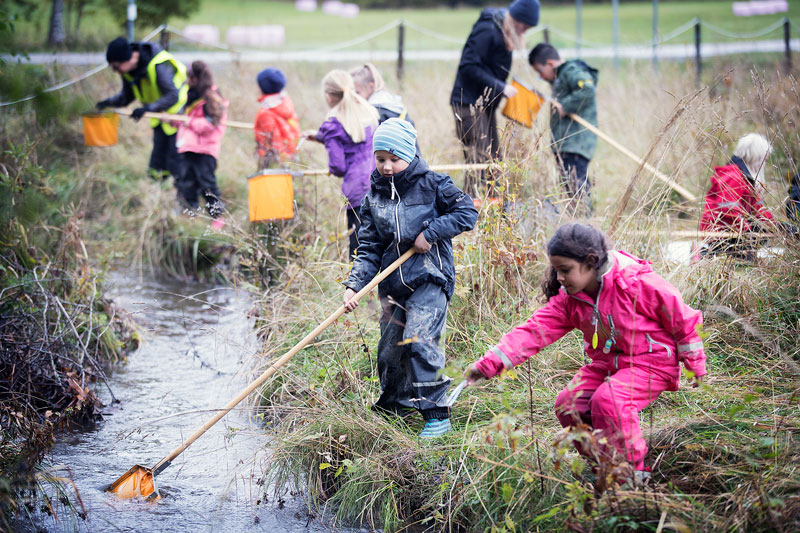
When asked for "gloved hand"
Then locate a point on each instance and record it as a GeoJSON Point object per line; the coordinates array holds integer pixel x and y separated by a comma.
{"type": "Point", "coordinates": [138, 113]}
{"type": "Point", "coordinates": [102, 104]}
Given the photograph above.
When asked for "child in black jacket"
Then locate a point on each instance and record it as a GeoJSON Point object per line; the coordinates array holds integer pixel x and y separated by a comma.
{"type": "Point", "coordinates": [409, 205]}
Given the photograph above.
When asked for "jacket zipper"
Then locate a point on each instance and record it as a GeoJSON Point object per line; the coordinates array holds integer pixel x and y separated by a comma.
{"type": "Point", "coordinates": [595, 313]}
{"type": "Point", "coordinates": [397, 225]}
{"type": "Point", "coordinates": [441, 267]}
{"type": "Point", "coordinates": [652, 342]}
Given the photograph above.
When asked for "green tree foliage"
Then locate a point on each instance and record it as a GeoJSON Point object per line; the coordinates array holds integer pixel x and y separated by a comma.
{"type": "Point", "coordinates": [153, 12]}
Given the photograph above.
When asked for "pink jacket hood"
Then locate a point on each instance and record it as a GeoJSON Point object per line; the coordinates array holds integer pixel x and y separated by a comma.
{"type": "Point", "coordinates": [639, 317]}
{"type": "Point", "coordinates": [200, 135]}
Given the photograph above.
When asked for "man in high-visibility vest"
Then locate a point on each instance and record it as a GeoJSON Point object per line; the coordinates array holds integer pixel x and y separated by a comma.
{"type": "Point", "coordinates": [157, 80]}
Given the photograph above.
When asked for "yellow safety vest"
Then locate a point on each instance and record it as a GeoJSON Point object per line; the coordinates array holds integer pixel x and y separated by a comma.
{"type": "Point", "coordinates": [147, 89]}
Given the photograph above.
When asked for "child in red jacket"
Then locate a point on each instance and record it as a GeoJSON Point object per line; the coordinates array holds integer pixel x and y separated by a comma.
{"type": "Point", "coordinates": [636, 328]}
{"type": "Point", "coordinates": [277, 128]}
{"type": "Point", "coordinates": [733, 202]}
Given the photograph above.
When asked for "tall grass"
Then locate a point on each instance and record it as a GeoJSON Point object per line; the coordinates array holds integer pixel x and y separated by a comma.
{"type": "Point", "coordinates": [723, 456]}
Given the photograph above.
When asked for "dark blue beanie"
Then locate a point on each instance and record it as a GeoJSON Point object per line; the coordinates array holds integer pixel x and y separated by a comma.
{"type": "Point", "coordinates": [119, 50]}
{"type": "Point", "coordinates": [525, 11]}
{"type": "Point", "coordinates": [271, 81]}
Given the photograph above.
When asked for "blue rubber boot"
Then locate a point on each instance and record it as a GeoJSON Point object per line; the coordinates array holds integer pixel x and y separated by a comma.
{"type": "Point", "coordinates": [435, 428]}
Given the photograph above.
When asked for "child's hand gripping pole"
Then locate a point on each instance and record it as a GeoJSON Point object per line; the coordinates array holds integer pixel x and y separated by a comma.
{"type": "Point", "coordinates": [472, 375]}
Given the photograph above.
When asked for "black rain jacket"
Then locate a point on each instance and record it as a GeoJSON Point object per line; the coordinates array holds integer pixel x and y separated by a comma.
{"type": "Point", "coordinates": [394, 212]}
{"type": "Point", "coordinates": [485, 63]}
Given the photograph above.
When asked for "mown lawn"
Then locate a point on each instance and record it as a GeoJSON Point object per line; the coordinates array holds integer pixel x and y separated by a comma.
{"type": "Point", "coordinates": [313, 30]}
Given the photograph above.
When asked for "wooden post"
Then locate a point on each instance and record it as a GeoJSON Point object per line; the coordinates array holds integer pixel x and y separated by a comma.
{"type": "Point", "coordinates": [787, 25]}
{"type": "Point", "coordinates": [401, 37]}
{"type": "Point", "coordinates": [131, 18]}
{"type": "Point", "coordinates": [578, 26]}
{"type": "Point", "coordinates": [615, 30]}
{"type": "Point", "coordinates": [546, 33]}
{"type": "Point", "coordinates": [164, 38]}
{"type": "Point", "coordinates": [697, 59]}
{"type": "Point", "coordinates": [655, 34]}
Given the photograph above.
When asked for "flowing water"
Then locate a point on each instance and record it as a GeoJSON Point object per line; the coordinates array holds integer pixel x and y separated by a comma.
{"type": "Point", "coordinates": [197, 344]}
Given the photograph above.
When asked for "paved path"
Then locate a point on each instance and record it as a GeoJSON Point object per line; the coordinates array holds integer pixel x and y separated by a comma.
{"type": "Point", "coordinates": [667, 51]}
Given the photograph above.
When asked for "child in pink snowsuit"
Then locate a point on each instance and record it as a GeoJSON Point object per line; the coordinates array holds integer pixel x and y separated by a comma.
{"type": "Point", "coordinates": [636, 330]}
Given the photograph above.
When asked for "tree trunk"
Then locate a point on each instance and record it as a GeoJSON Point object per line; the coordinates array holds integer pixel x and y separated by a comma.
{"type": "Point", "coordinates": [56, 35]}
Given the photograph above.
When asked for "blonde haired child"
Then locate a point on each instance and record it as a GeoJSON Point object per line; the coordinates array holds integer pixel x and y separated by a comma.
{"type": "Point", "coordinates": [370, 85]}
{"type": "Point", "coordinates": [733, 202]}
{"type": "Point", "coordinates": [347, 136]}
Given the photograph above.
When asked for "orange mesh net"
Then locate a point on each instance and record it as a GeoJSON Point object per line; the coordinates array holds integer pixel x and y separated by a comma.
{"type": "Point", "coordinates": [136, 482]}
{"type": "Point", "coordinates": [271, 197]}
{"type": "Point", "coordinates": [100, 129]}
{"type": "Point", "coordinates": [524, 106]}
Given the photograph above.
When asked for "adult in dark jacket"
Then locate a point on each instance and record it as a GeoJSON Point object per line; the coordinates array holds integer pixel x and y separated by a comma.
{"type": "Point", "coordinates": [409, 205]}
{"type": "Point", "coordinates": [574, 86]}
{"type": "Point", "coordinates": [481, 81]}
{"type": "Point", "coordinates": [157, 80]}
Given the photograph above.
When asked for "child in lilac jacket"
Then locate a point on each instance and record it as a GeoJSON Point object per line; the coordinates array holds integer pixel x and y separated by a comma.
{"type": "Point", "coordinates": [636, 329]}
{"type": "Point", "coordinates": [347, 136]}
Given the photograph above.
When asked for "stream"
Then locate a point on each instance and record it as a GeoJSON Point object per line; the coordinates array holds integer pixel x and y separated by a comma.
{"type": "Point", "coordinates": [197, 345]}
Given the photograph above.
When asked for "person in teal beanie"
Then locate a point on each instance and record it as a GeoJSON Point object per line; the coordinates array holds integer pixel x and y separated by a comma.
{"type": "Point", "coordinates": [410, 206]}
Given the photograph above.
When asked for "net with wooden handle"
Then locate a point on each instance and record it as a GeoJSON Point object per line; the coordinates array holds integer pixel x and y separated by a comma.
{"type": "Point", "coordinates": [279, 363]}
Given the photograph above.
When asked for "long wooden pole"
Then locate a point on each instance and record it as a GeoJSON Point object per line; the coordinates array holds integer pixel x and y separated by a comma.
{"type": "Point", "coordinates": [666, 179]}
{"type": "Point", "coordinates": [183, 118]}
{"type": "Point", "coordinates": [435, 168]}
{"type": "Point", "coordinates": [165, 462]}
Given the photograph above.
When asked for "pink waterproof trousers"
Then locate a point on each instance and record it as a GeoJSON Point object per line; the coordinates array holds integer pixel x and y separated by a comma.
{"type": "Point", "coordinates": [611, 400]}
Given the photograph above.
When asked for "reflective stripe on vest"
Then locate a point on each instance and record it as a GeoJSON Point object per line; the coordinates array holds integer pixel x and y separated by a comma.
{"type": "Point", "coordinates": [146, 91]}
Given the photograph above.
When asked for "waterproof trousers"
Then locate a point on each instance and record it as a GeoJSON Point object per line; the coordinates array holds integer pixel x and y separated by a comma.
{"type": "Point", "coordinates": [574, 177]}
{"type": "Point", "coordinates": [610, 401]}
{"type": "Point", "coordinates": [165, 161]}
{"type": "Point", "coordinates": [476, 128]}
{"type": "Point", "coordinates": [199, 180]}
{"type": "Point", "coordinates": [410, 360]}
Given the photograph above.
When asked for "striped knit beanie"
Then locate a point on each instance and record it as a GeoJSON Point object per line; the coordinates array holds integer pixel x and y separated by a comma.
{"type": "Point", "coordinates": [397, 137]}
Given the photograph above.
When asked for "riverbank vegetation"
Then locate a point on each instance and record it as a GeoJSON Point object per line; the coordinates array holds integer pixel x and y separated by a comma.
{"type": "Point", "coordinates": [723, 456]}
{"type": "Point", "coordinates": [58, 332]}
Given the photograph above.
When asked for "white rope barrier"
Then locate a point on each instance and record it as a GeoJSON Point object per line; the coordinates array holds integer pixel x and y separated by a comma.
{"type": "Point", "coordinates": [680, 30]}
{"type": "Point", "coordinates": [757, 33]}
{"type": "Point", "coordinates": [434, 34]}
{"type": "Point", "coordinates": [358, 40]}
{"type": "Point", "coordinates": [77, 79]}
{"type": "Point", "coordinates": [201, 42]}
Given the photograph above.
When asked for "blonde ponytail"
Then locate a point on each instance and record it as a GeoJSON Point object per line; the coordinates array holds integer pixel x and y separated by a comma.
{"type": "Point", "coordinates": [354, 113]}
{"type": "Point", "coordinates": [369, 73]}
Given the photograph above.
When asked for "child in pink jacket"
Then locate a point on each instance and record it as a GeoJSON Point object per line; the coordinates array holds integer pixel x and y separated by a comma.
{"type": "Point", "coordinates": [636, 330]}
{"type": "Point", "coordinates": [199, 140]}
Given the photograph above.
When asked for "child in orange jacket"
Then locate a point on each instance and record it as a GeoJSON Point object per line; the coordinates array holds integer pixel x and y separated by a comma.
{"type": "Point", "coordinates": [277, 128]}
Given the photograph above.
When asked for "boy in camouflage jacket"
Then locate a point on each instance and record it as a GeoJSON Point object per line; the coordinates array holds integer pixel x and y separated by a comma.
{"type": "Point", "coordinates": [574, 84]}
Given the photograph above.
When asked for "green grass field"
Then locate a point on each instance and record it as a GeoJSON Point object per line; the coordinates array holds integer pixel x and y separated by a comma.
{"type": "Point", "coordinates": [314, 30]}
